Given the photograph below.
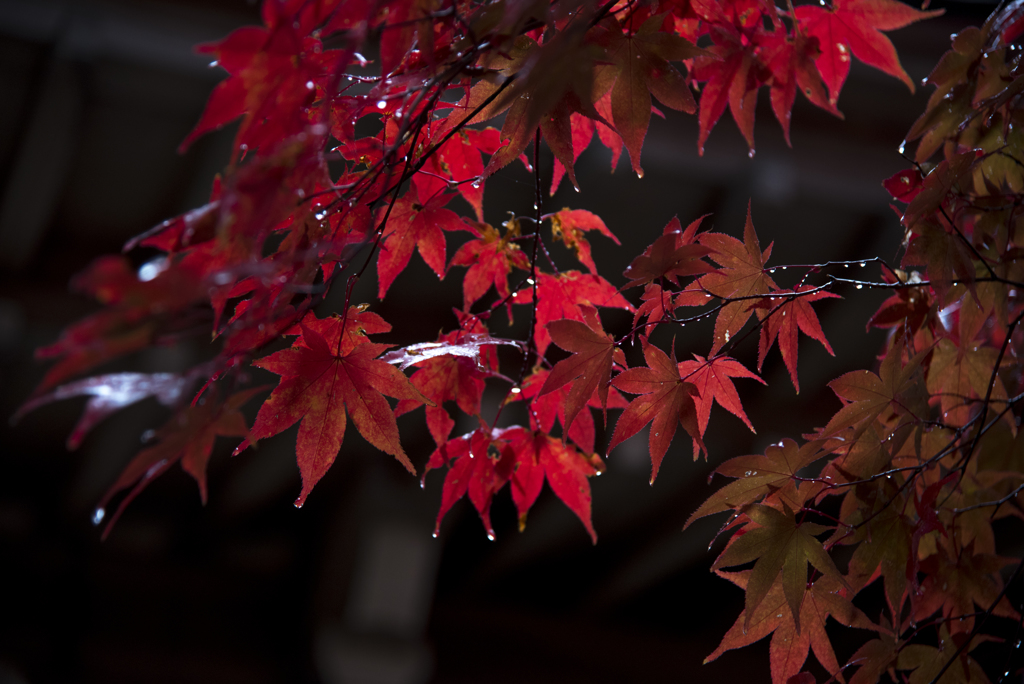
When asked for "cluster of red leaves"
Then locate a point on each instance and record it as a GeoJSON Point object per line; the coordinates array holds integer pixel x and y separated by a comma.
{"type": "Point", "coordinates": [922, 453]}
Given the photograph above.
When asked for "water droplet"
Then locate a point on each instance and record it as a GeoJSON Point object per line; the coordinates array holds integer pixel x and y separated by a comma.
{"type": "Point", "coordinates": [750, 154]}
{"type": "Point", "coordinates": [434, 535]}
{"type": "Point", "coordinates": [476, 183]}
{"type": "Point", "coordinates": [97, 517]}
{"type": "Point", "coordinates": [846, 265]}
{"type": "Point", "coordinates": [213, 64]}
{"type": "Point", "coordinates": [902, 147]}
{"type": "Point", "coordinates": [516, 390]}
{"type": "Point", "coordinates": [746, 474]}
{"type": "Point", "coordinates": [490, 536]}
{"type": "Point", "coordinates": [309, 85]}
{"type": "Point", "coordinates": [863, 264]}
{"type": "Point", "coordinates": [381, 104]}
{"type": "Point", "coordinates": [859, 286]}
{"type": "Point", "coordinates": [530, 281]}
{"type": "Point", "coordinates": [298, 503]}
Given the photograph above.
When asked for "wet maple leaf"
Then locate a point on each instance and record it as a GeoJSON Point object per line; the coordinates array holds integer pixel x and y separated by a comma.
{"type": "Point", "coordinates": [107, 394]}
{"type": "Point", "coordinates": [960, 376]}
{"type": "Point", "coordinates": [778, 545]}
{"type": "Point", "coordinates": [733, 76]}
{"type": "Point", "coordinates": [454, 368]}
{"type": "Point", "coordinates": [867, 396]}
{"type": "Point", "coordinates": [323, 384]}
{"type": "Point", "coordinates": [187, 437]}
{"type": "Point", "coordinates": [770, 477]}
{"type": "Point", "coordinates": [540, 457]}
{"type": "Point", "coordinates": [742, 273]}
{"type": "Point", "coordinates": [955, 586]}
{"type": "Point", "coordinates": [711, 377]}
{"type": "Point", "coordinates": [784, 322]}
{"type": "Point", "coordinates": [854, 27]}
{"type": "Point", "coordinates": [569, 225]}
{"type": "Point", "coordinates": [885, 550]}
{"type": "Point", "coordinates": [665, 398]}
{"type": "Point", "coordinates": [790, 646]}
{"type": "Point", "coordinates": [927, 661]}
{"type": "Point", "coordinates": [478, 466]}
{"type": "Point", "coordinates": [590, 366]}
{"type": "Point", "coordinates": [546, 409]}
{"type": "Point", "coordinates": [643, 64]}
{"type": "Point", "coordinates": [561, 296]}
{"type": "Point", "coordinates": [672, 256]}
{"type": "Point", "coordinates": [490, 259]}
{"type": "Point", "coordinates": [415, 225]}
{"type": "Point", "coordinates": [791, 61]}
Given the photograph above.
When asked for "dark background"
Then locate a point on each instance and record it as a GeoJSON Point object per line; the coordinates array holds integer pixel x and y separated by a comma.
{"type": "Point", "coordinates": [94, 99]}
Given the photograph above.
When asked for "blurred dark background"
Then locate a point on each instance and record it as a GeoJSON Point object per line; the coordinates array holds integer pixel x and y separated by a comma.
{"type": "Point", "coordinates": [94, 99]}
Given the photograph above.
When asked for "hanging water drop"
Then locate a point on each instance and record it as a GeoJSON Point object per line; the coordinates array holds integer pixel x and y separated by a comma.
{"type": "Point", "coordinates": [859, 286]}
{"type": "Point", "coordinates": [381, 104]}
{"type": "Point", "coordinates": [750, 154]}
{"type": "Point", "coordinates": [97, 518]}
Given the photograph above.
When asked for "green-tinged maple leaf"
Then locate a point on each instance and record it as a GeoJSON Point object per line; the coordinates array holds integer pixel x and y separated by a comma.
{"type": "Point", "coordinates": [713, 379]}
{"type": "Point", "coordinates": [187, 437]}
{"type": "Point", "coordinates": [590, 366]}
{"type": "Point", "coordinates": [960, 377]}
{"type": "Point", "coordinates": [665, 398]}
{"type": "Point", "coordinates": [569, 225]}
{"type": "Point", "coordinates": [927, 661]}
{"type": "Point", "coordinates": [867, 395]}
{"type": "Point", "coordinates": [769, 477]}
{"type": "Point", "coordinates": [784, 321]}
{"type": "Point", "coordinates": [742, 274]}
{"type": "Point", "coordinates": [790, 646]}
{"type": "Point", "coordinates": [322, 384]}
{"type": "Point", "coordinates": [885, 550]}
{"type": "Point", "coordinates": [779, 545]}
{"type": "Point", "coordinates": [873, 659]}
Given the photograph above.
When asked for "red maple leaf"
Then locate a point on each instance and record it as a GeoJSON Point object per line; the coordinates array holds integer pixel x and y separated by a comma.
{"type": "Point", "coordinates": [854, 27]}
{"type": "Point", "coordinates": [665, 398]}
{"type": "Point", "coordinates": [562, 295]}
{"type": "Point", "coordinates": [568, 225]}
{"type": "Point", "coordinates": [590, 366]}
{"type": "Point", "coordinates": [711, 377]}
{"type": "Point", "coordinates": [672, 256]}
{"type": "Point", "coordinates": [742, 274]}
{"type": "Point", "coordinates": [323, 382]}
{"type": "Point", "coordinates": [784, 320]}
{"type": "Point", "coordinates": [545, 409]}
{"type": "Point", "coordinates": [187, 437]}
{"type": "Point", "coordinates": [490, 258]}
{"type": "Point", "coordinates": [415, 225]}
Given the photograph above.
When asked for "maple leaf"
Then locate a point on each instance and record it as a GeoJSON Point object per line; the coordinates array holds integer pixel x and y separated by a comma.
{"type": "Point", "coordinates": [568, 225]}
{"type": "Point", "coordinates": [733, 76]}
{"type": "Point", "coordinates": [187, 437]}
{"type": "Point", "coordinates": [562, 295]}
{"type": "Point", "coordinates": [959, 375]}
{"type": "Point", "coordinates": [927, 661]}
{"type": "Point", "coordinates": [779, 545]}
{"type": "Point", "coordinates": [452, 369]}
{"type": "Point", "coordinates": [544, 410]}
{"type": "Point", "coordinates": [540, 457]}
{"type": "Point", "coordinates": [867, 396]}
{"type": "Point", "coordinates": [108, 394]}
{"type": "Point", "coordinates": [789, 646]}
{"type": "Point", "coordinates": [642, 61]}
{"type": "Point", "coordinates": [477, 466]}
{"type": "Point", "coordinates": [590, 366]}
{"type": "Point", "coordinates": [322, 384]}
{"type": "Point", "coordinates": [415, 225]}
{"type": "Point", "coordinates": [886, 549]}
{"type": "Point", "coordinates": [791, 61]}
{"type": "Point", "coordinates": [742, 274]}
{"type": "Point", "coordinates": [954, 586]}
{"type": "Point", "coordinates": [664, 399]}
{"type": "Point", "coordinates": [672, 256]}
{"type": "Point", "coordinates": [490, 258]}
{"type": "Point", "coordinates": [711, 377]}
{"type": "Point", "coordinates": [784, 321]}
{"type": "Point", "coordinates": [854, 26]}
{"type": "Point", "coordinates": [770, 477]}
